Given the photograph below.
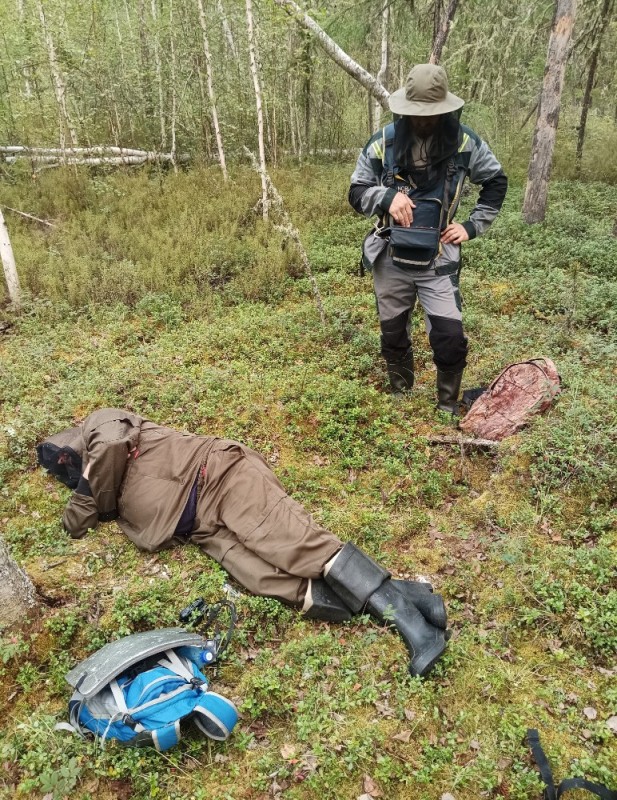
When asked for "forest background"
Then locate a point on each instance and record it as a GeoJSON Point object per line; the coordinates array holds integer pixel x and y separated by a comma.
{"type": "Point", "coordinates": [161, 288]}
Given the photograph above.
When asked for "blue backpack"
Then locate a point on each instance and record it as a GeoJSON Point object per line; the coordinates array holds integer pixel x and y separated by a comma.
{"type": "Point", "coordinates": [141, 689]}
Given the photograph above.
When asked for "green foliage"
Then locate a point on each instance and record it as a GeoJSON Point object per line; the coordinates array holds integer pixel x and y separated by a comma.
{"type": "Point", "coordinates": [576, 599]}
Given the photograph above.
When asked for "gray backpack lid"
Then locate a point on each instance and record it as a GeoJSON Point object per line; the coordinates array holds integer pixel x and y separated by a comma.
{"type": "Point", "coordinates": [92, 674]}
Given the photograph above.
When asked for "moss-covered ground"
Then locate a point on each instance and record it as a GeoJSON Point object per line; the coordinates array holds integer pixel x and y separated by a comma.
{"type": "Point", "coordinates": [169, 295]}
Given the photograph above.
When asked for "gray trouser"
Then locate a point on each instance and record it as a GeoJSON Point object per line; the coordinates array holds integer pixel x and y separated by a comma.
{"type": "Point", "coordinates": [397, 290]}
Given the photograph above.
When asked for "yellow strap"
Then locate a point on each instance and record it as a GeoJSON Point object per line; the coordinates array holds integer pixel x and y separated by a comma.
{"type": "Point", "coordinates": [464, 142]}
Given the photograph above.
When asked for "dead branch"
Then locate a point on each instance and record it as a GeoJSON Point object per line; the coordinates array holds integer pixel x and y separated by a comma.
{"type": "Point", "coordinates": [464, 441]}
{"type": "Point", "coordinates": [336, 53]}
{"type": "Point", "coordinates": [29, 216]}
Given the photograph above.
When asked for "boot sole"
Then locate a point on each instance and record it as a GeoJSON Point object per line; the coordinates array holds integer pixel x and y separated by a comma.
{"type": "Point", "coordinates": [421, 666]}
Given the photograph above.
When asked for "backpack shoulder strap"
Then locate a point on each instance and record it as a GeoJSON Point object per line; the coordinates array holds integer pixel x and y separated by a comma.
{"type": "Point", "coordinates": [552, 792]}
{"type": "Point", "coordinates": [389, 167]}
{"type": "Point", "coordinates": [539, 756]}
{"type": "Point", "coordinates": [599, 789]}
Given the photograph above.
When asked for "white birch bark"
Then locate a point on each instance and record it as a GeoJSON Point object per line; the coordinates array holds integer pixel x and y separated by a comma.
{"type": "Point", "coordinates": [259, 105]}
{"type": "Point", "coordinates": [229, 37]}
{"type": "Point", "coordinates": [8, 265]}
{"type": "Point", "coordinates": [113, 156]}
{"type": "Point", "coordinates": [174, 94]}
{"type": "Point", "coordinates": [17, 593]}
{"type": "Point", "coordinates": [540, 165]}
{"type": "Point", "coordinates": [385, 57]}
{"type": "Point", "coordinates": [159, 74]}
{"type": "Point", "coordinates": [21, 11]}
{"type": "Point", "coordinates": [290, 116]}
{"type": "Point", "coordinates": [66, 124]}
{"type": "Point", "coordinates": [213, 111]}
{"type": "Point", "coordinates": [127, 13]}
{"type": "Point", "coordinates": [336, 53]}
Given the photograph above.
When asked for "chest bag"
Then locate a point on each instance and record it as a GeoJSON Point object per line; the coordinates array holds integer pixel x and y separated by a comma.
{"type": "Point", "coordinates": [417, 246]}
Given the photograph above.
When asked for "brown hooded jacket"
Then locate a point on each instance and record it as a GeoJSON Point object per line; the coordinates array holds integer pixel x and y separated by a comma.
{"type": "Point", "coordinates": [140, 474]}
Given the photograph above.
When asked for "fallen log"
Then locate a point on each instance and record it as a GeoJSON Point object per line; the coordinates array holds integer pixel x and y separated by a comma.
{"type": "Point", "coordinates": [87, 156]}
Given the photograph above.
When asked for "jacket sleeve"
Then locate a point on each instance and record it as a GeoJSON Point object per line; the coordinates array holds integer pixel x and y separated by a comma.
{"type": "Point", "coordinates": [80, 515]}
{"type": "Point", "coordinates": [366, 193]}
{"type": "Point", "coordinates": [95, 499]}
{"type": "Point", "coordinates": [485, 170]}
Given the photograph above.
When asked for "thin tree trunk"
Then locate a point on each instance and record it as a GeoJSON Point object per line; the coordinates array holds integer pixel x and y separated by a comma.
{"type": "Point", "coordinates": [17, 593]}
{"type": "Point", "coordinates": [436, 19]}
{"type": "Point", "coordinates": [229, 37]}
{"type": "Point", "coordinates": [259, 106]}
{"type": "Point", "coordinates": [66, 124]}
{"type": "Point", "coordinates": [144, 56]}
{"type": "Point", "coordinates": [306, 91]}
{"type": "Point", "coordinates": [8, 264]}
{"type": "Point", "coordinates": [213, 111]}
{"type": "Point", "coordinates": [25, 70]}
{"type": "Point", "coordinates": [159, 75]}
{"type": "Point", "coordinates": [174, 93]}
{"type": "Point", "coordinates": [127, 13]}
{"type": "Point", "coordinates": [290, 94]}
{"type": "Point", "coordinates": [337, 54]}
{"type": "Point", "coordinates": [442, 33]}
{"type": "Point", "coordinates": [605, 15]}
{"type": "Point", "coordinates": [382, 75]}
{"type": "Point", "coordinates": [123, 67]}
{"type": "Point", "coordinates": [540, 165]}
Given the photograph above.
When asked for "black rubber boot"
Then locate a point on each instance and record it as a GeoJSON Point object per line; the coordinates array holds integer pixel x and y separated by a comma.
{"type": "Point", "coordinates": [363, 584]}
{"type": "Point", "coordinates": [448, 388]}
{"type": "Point", "coordinates": [431, 606]}
{"type": "Point", "coordinates": [401, 373]}
{"type": "Point", "coordinates": [327, 605]}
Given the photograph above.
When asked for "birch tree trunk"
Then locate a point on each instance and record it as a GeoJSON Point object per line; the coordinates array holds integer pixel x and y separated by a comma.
{"type": "Point", "coordinates": [213, 111]}
{"type": "Point", "coordinates": [25, 71]}
{"type": "Point", "coordinates": [66, 124]}
{"type": "Point", "coordinates": [258, 103]}
{"type": "Point", "coordinates": [17, 593]}
{"type": "Point", "coordinates": [159, 74]}
{"type": "Point", "coordinates": [540, 165]}
{"type": "Point", "coordinates": [605, 16]}
{"type": "Point", "coordinates": [174, 93]}
{"type": "Point", "coordinates": [8, 264]}
{"type": "Point", "coordinates": [382, 75]}
{"type": "Point", "coordinates": [442, 33]}
{"type": "Point", "coordinates": [145, 72]}
{"type": "Point", "coordinates": [337, 54]}
{"type": "Point", "coordinates": [229, 37]}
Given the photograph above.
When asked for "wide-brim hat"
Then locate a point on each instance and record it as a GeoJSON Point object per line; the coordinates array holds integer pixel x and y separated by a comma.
{"type": "Point", "coordinates": [425, 93]}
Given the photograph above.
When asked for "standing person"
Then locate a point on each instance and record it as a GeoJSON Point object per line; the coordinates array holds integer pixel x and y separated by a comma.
{"type": "Point", "coordinates": [410, 174]}
{"type": "Point", "coordinates": [164, 487]}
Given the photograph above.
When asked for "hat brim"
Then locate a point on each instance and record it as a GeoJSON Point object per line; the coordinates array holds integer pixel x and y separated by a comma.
{"type": "Point", "coordinates": [399, 104]}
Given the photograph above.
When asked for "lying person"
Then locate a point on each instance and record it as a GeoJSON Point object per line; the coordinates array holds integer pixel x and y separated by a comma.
{"type": "Point", "coordinates": [164, 487]}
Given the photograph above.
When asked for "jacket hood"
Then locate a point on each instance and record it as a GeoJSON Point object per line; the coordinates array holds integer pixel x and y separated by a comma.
{"type": "Point", "coordinates": [61, 455]}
